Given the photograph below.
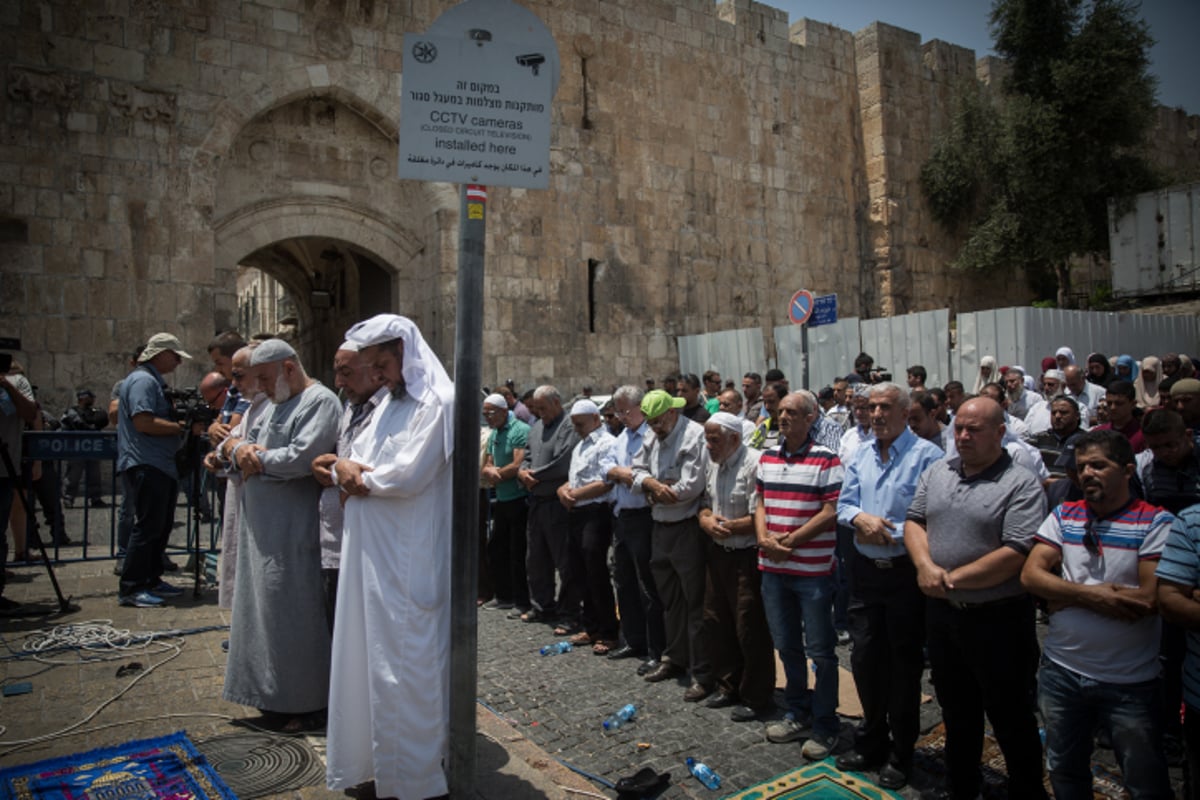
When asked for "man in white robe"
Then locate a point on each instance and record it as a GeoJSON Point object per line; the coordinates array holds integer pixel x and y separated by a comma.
{"type": "Point", "coordinates": [389, 690]}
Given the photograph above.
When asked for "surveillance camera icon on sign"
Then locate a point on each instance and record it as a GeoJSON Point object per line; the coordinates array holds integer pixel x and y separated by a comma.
{"type": "Point", "coordinates": [532, 60]}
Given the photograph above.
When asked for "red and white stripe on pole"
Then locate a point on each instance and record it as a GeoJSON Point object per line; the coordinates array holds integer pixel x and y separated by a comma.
{"type": "Point", "coordinates": [476, 193]}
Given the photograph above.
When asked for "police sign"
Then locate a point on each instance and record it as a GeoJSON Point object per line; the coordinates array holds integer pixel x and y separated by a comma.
{"type": "Point", "coordinates": [70, 445]}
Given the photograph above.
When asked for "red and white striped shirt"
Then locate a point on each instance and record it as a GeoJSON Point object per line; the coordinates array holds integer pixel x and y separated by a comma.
{"type": "Point", "coordinates": [792, 488]}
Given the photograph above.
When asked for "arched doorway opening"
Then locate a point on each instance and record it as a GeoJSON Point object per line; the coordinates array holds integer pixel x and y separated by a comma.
{"type": "Point", "coordinates": [309, 290]}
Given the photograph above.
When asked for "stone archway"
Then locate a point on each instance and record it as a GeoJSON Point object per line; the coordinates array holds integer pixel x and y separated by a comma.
{"type": "Point", "coordinates": [306, 192]}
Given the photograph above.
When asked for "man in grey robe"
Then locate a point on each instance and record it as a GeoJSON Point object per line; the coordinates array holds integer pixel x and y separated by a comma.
{"type": "Point", "coordinates": [279, 638]}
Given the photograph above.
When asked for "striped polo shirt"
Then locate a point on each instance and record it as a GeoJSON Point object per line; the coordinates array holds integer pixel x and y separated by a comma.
{"type": "Point", "coordinates": [793, 487]}
{"type": "Point", "coordinates": [1095, 645]}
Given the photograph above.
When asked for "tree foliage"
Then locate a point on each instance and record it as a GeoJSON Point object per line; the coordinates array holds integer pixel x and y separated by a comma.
{"type": "Point", "coordinates": [1024, 173]}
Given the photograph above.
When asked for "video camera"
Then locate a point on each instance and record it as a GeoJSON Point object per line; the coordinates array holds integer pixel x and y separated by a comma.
{"type": "Point", "coordinates": [188, 406]}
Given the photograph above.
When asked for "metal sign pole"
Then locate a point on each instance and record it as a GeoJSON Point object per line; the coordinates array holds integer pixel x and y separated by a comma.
{"type": "Point", "coordinates": [464, 559]}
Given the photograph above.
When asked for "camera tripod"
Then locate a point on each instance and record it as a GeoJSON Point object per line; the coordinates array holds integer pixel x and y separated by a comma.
{"type": "Point", "coordinates": [64, 603]}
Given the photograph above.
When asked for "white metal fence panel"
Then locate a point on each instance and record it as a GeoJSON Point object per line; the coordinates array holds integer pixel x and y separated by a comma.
{"type": "Point", "coordinates": [831, 351]}
{"type": "Point", "coordinates": [1155, 245]}
{"type": "Point", "coordinates": [900, 342]}
{"type": "Point", "coordinates": [1025, 336]}
{"type": "Point", "coordinates": [732, 353]}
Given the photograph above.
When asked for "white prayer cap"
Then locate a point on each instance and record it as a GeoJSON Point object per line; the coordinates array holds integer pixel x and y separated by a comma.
{"type": "Point", "coordinates": [270, 351]}
{"type": "Point", "coordinates": [349, 346]}
{"type": "Point", "coordinates": [496, 401]}
{"type": "Point", "coordinates": [583, 407]}
{"type": "Point", "coordinates": [1056, 374]}
{"type": "Point", "coordinates": [727, 421]}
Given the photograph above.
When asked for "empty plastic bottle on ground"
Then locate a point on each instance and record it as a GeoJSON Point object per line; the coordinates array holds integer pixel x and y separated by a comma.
{"type": "Point", "coordinates": [555, 649]}
{"type": "Point", "coordinates": [618, 719]}
{"type": "Point", "coordinates": [703, 774]}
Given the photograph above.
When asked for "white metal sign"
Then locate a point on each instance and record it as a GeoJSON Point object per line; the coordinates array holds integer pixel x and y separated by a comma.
{"type": "Point", "coordinates": [475, 112]}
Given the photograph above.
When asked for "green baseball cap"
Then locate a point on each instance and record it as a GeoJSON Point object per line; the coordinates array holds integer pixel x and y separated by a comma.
{"type": "Point", "coordinates": [656, 403]}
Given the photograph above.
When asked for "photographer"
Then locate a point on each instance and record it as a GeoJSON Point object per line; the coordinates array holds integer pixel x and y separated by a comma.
{"type": "Point", "coordinates": [147, 440]}
{"type": "Point", "coordinates": [84, 416]}
{"type": "Point", "coordinates": [200, 409]}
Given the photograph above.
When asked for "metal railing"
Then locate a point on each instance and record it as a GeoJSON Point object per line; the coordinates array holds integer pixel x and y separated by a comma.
{"type": "Point", "coordinates": [87, 530]}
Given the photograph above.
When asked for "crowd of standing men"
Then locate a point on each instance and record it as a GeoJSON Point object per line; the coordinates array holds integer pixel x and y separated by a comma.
{"type": "Point", "coordinates": [925, 525]}
{"type": "Point", "coordinates": [920, 524]}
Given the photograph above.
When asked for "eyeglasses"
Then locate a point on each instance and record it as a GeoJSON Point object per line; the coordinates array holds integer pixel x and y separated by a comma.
{"type": "Point", "coordinates": [1091, 540]}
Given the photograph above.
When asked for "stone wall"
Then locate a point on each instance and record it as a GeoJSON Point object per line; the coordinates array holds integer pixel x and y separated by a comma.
{"type": "Point", "coordinates": [707, 161]}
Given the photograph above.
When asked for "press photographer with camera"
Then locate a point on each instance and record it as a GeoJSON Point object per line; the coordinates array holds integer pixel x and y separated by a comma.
{"type": "Point", "coordinates": [148, 437]}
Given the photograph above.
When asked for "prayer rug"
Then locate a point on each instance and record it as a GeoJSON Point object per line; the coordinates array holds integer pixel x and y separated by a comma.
{"type": "Point", "coordinates": [167, 767]}
{"type": "Point", "coordinates": [820, 781]}
{"type": "Point", "coordinates": [930, 758]}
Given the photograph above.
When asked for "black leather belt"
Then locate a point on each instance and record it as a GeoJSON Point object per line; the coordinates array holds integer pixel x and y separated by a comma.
{"type": "Point", "coordinates": [632, 512]}
{"type": "Point", "coordinates": [884, 563]}
{"type": "Point", "coordinates": [961, 605]}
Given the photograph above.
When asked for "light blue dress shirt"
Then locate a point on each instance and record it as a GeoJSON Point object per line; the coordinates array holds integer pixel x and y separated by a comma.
{"type": "Point", "coordinates": [885, 490]}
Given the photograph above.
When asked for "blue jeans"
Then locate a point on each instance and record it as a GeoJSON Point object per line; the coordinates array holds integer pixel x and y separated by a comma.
{"type": "Point", "coordinates": [800, 615]}
{"type": "Point", "coordinates": [1072, 705]}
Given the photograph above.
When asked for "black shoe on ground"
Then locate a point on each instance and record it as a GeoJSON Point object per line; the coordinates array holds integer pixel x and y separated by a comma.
{"type": "Point", "coordinates": [856, 762]}
{"type": "Point", "coordinates": [648, 666]}
{"type": "Point", "coordinates": [624, 651]}
{"type": "Point", "coordinates": [169, 565]}
{"type": "Point", "coordinates": [745, 714]}
{"type": "Point", "coordinates": [97, 502]}
{"type": "Point", "coordinates": [696, 692]}
{"type": "Point", "coordinates": [892, 777]}
{"type": "Point", "coordinates": [8, 606]}
{"type": "Point", "coordinates": [664, 672]}
{"type": "Point", "coordinates": [720, 699]}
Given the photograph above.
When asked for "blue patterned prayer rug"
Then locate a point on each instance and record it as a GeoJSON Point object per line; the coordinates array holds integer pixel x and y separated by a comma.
{"type": "Point", "coordinates": [167, 767]}
{"type": "Point", "coordinates": [821, 780]}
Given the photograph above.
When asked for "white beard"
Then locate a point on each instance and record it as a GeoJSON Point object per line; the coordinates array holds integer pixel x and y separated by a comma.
{"type": "Point", "coordinates": [283, 392]}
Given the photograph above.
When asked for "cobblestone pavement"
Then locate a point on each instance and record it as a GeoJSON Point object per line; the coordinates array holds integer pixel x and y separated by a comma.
{"type": "Point", "coordinates": [553, 705]}
{"type": "Point", "coordinates": [560, 701]}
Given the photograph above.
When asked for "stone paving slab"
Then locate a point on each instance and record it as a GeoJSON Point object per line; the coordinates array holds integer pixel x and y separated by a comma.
{"type": "Point", "coordinates": [184, 691]}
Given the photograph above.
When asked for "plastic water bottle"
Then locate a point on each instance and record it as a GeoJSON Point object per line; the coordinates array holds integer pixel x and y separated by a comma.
{"type": "Point", "coordinates": [555, 649]}
{"type": "Point", "coordinates": [704, 774]}
{"type": "Point", "coordinates": [618, 719]}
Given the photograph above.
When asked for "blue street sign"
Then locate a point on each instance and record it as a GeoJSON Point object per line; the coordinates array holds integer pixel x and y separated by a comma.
{"type": "Point", "coordinates": [824, 310]}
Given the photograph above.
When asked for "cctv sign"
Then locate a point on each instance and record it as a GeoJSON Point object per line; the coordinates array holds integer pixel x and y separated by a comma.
{"type": "Point", "coordinates": [476, 111]}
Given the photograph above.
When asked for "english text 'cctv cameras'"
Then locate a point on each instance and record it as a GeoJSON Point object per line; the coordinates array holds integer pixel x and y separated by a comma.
{"type": "Point", "coordinates": [532, 60]}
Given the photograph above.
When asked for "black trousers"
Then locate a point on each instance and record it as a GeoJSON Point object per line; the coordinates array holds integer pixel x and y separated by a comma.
{"type": "Point", "coordinates": [984, 660]}
{"type": "Point", "coordinates": [677, 560]}
{"type": "Point", "coordinates": [546, 552]}
{"type": "Point", "coordinates": [736, 633]}
{"type": "Point", "coordinates": [153, 495]}
{"type": "Point", "coordinates": [591, 535]}
{"type": "Point", "coordinates": [887, 626]}
{"type": "Point", "coordinates": [506, 551]}
{"type": "Point", "coordinates": [642, 625]}
{"type": "Point", "coordinates": [1191, 738]}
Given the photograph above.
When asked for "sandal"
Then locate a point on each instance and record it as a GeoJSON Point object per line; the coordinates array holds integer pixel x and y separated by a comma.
{"type": "Point", "coordinates": [603, 647]}
{"type": "Point", "coordinates": [579, 639]}
{"type": "Point", "coordinates": [566, 628]}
